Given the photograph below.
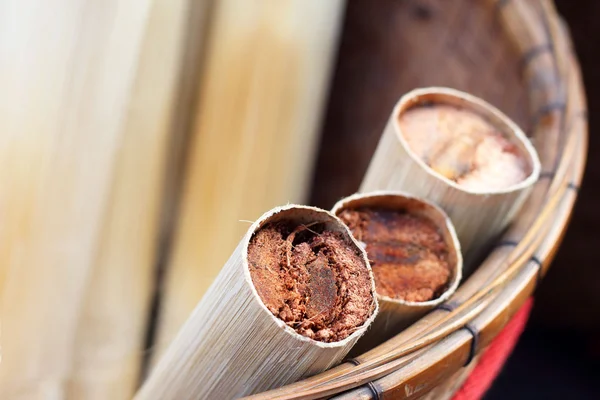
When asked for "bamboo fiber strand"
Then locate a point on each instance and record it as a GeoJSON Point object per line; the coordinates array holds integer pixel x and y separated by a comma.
{"type": "Point", "coordinates": [260, 100]}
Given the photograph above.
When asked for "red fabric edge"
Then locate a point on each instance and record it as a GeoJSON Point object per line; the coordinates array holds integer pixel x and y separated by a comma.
{"type": "Point", "coordinates": [493, 359]}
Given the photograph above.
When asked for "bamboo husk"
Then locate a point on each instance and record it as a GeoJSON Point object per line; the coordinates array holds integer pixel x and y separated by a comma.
{"type": "Point", "coordinates": [66, 77]}
{"type": "Point", "coordinates": [396, 167]}
{"type": "Point", "coordinates": [260, 100]}
{"type": "Point", "coordinates": [396, 314]}
{"type": "Point", "coordinates": [232, 345]}
{"type": "Point", "coordinates": [113, 324]}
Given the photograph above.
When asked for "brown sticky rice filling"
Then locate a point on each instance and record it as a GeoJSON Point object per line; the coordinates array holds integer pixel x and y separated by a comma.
{"type": "Point", "coordinates": [311, 278]}
{"type": "Point", "coordinates": [408, 255]}
{"type": "Point", "coordinates": [464, 147]}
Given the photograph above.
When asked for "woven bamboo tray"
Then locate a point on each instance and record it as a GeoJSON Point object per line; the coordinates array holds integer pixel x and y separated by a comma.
{"type": "Point", "coordinates": [432, 357]}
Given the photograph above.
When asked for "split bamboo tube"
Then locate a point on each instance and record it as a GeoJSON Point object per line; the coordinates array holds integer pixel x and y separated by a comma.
{"type": "Point", "coordinates": [396, 166]}
{"type": "Point", "coordinates": [233, 344]}
{"type": "Point", "coordinates": [261, 95]}
{"type": "Point", "coordinates": [396, 312]}
{"type": "Point", "coordinates": [66, 72]}
{"type": "Point", "coordinates": [114, 319]}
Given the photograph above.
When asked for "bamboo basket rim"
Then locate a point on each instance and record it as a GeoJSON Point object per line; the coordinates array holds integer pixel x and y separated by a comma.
{"type": "Point", "coordinates": [482, 108]}
{"type": "Point", "coordinates": [328, 218]}
{"type": "Point", "coordinates": [450, 337]}
{"type": "Point", "coordinates": [449, 226]}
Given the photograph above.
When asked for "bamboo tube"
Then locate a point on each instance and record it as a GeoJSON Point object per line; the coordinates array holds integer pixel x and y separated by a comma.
{"type": "Point", "coordinates": [260, 101]}
{"type": "Point", "coordinates": [397, 309]}
{"type": "Point", "coordinates": [397, 166]}
{"type": "Point", "coordinates": [66, 72]}
{"type": "Point", "coordinates": [113, 324]}
{"type": "Point", "coordinates": [233, 345]}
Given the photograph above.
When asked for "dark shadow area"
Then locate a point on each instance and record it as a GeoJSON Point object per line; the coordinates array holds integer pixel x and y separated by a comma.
{"type": "Point", "coordinates": [550, 365]}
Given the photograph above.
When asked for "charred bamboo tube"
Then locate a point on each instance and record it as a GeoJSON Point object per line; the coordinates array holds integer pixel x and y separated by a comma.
{"type": "Point", "coordinates": [414, 254]}
{"type": "Point", "coordinates": [261, 94]}
{"type": "Point", "coordinates": [294, 297]}
{"type": "Point", "coordinates": [461, 153]}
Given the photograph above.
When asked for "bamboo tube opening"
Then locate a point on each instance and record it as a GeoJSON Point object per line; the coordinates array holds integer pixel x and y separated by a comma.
{"type": "Point", "coordinates": [311, 279]}
{"type": "Point", "coordinates": [465, 141]}
{"type": "Point", "coordinates": [414, 254]}
{"type": "Point", "coordinates": [310, 274]}
{"type": "Point", "coordinates": [411, 244]}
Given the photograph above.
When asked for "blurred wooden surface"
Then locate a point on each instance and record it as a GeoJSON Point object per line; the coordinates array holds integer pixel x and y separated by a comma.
{"type": "Point", "coordinates": [67, 69]}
